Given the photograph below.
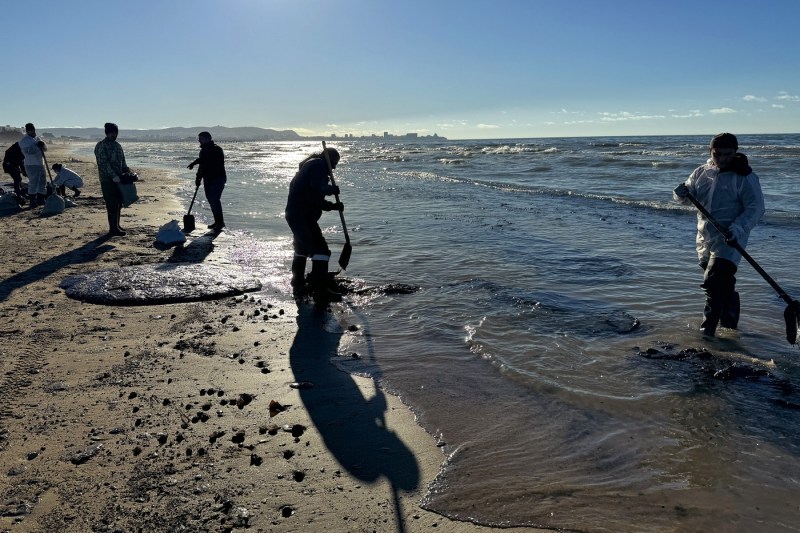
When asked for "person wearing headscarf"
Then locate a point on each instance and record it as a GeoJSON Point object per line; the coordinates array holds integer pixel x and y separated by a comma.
{"type": "Point", "coordinates": [110, 166]}
{"type": "Point", "coordinates": [731, 192]}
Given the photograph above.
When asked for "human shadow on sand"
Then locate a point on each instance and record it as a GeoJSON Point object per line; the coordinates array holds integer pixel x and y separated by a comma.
{"type": "Point", "coordinates": [352, 427]}
{"type": "Point", "coordinates": [83, 254]}
{"type": "Point", "coordinates": [195, 251]}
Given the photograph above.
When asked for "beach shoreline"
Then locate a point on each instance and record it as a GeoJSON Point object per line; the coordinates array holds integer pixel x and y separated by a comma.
{"type": "Point", "coordinates": [216, 415]}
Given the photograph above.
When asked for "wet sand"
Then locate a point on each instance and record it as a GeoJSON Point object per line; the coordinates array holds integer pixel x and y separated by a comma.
{"type": "Point", "coordinates": [218, 415]}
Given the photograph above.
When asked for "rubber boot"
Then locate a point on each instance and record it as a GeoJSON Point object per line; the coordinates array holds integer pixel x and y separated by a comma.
{"type": "Point", "coordinates": [113, 225]}
{"type": "Point", "coordinates": [711, 314]}
{"type": "Point", "coordinates": [298, 276]}
{"type": "Point", "coordinates": [729, 318]}
{"type": "Point", "coordinates": [32, 200]}
{"type": "Point", "coordinates": [40, 199]}
{"type": "Point", "coordinates": [219, 221]}
{"type": "Point", "coordinates": [320, 284]}
{"type": "Point", "coordinates": [62, 191]}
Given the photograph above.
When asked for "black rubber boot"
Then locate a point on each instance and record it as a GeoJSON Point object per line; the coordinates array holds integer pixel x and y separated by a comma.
{"type": "Point", "coordinates": [320, 284]}
{"type": "Point", "coordinates": [298, 276]}
{"type": "Point", "coordinates": [113, 225]}
{"type": "Point", "coordinates": [219, 221]}
{"type": "Point", "coordinates": [40, 199]}
{"type": "Point", "coordinates": [719, 284]}
{"type": "Point", "coordinates": [711, 314]}
{"type": "Point", "coordinates": [32, 200]}
{"type": "Point", "coordinates": [730, 312]}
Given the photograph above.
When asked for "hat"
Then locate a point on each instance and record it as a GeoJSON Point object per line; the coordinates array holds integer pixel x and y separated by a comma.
{"type": "Point", "coordinates": [110, 127]}
{"type": "Point", "coordinates": [29, 127]}
{"type": "Point", "coordinates": [725, 140]}
{"type": "Point", "coordinates": [204, 134]}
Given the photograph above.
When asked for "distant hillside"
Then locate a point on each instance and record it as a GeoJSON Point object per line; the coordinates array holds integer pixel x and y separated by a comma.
{"type": "Point", "coordinates": [220, 133]}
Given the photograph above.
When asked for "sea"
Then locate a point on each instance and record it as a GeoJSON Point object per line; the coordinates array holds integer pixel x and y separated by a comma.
{"type": "Point", "coordinates": [550, 339]}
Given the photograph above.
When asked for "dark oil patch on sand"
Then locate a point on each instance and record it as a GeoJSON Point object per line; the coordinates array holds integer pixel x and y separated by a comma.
{"type": "Point", "coordinates": [158, 284]}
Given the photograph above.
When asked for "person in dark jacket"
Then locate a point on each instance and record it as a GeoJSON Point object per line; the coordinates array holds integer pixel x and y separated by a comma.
{"type": "Point", "coordinates": [304, 207]}
{"type": "Point", "coordinates": [14, 166]}
{"type": "Point", "coordinates": [211, 171]}
{"type": "Point", "coordinates": [110, 166]}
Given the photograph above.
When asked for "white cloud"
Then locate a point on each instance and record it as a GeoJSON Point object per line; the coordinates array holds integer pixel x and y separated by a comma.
{"type": "Point", "coordinates": [625, 116]}
{"type": "Point", "coordinates": [722, 111]}
{"type": "Point", "coordinates": [487, 126]}
{"type": "Point", "coordinates": [691, 114]}
{"type": "Point", "coordinates": [783, 95]}
{"type": "Point", "coordinates": [751, 98]}
{"type": "Point", "coordinates": [778, 106]}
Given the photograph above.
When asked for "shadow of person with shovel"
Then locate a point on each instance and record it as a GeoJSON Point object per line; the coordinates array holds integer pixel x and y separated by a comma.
{"type": "Point", "coordinates": [353, 427]}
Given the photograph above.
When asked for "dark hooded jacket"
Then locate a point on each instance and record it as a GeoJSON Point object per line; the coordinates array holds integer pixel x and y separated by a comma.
{"type": "Point", "coordinates": [307, 192]}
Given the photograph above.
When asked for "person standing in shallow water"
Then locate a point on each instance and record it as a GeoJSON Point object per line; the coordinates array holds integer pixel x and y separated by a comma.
{"type": "Point", "coordinates": [211, 171]}
{"type": "Point", "coordinates": [731, 192]}
{"type": "Point", "coordinates": [110, 165]}
{"type": "Point", "coordinates": [304, 207]}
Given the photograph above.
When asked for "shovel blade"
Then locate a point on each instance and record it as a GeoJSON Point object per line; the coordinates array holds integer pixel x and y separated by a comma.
{"type": "Point", "coordinates": [792, 316]}
{"type": "Point", "coordinates": [188, 223]}
{"type": "Point", "coordinates": [344, 259]}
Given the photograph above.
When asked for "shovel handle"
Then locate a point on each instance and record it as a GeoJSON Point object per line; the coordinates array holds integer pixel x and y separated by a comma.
{"type": "Point", "coordinates": [193, 197]}
{"type": "Point", "coordinates": [47, 166]}
{"type": "Point", "coordinates": [703, 211]}
{"type": "Point", "coordinates": [330, 175]}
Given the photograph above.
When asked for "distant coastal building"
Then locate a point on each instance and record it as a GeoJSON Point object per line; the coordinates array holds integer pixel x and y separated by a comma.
{"type": "Point", "coordinates": [220, 133]}
{"type": "Point", "coordinates": [389, 137]}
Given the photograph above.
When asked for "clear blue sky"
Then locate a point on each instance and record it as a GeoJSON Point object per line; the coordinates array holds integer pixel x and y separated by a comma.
{"type": "Point", "coordinates": [463, 69]}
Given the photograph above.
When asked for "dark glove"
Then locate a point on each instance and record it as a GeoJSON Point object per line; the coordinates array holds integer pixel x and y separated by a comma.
{"type": "Point", "coordinates": [338, 206]}
{"type": "Point", "coordinates": [191, 166]}
{"type": "Point", "coordinates": [40, 144]}
{"type": "Point", "coordinates": [197, 181]}
{"type": "Point", "coordinates": [333, 189]}
{"type": "Point", "coordinates": [681, 190]}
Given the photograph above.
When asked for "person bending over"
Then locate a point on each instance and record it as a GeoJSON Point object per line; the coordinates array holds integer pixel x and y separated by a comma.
{"type": "Point", "coordinates": [67, 179]}
{"type": "Point", "coordinates": [304, 207]}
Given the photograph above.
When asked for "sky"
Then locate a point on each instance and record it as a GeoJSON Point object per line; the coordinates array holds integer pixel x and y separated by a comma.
{"type": "Point", "coordinates": [461, 69]}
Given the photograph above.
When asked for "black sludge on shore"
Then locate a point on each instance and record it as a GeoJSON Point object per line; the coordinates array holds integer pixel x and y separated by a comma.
{"type": "Point", "coordinates": [158, 284]}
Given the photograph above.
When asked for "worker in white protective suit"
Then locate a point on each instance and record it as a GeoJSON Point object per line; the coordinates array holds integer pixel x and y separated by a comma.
{"type": "Point", "coordinates": [729, 189]}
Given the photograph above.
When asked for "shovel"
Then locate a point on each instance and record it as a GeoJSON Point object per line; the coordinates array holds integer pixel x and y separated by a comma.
{"type": "Point", "coordinates": [188, 218]}
{"type": "Point", "coordinates": [344, 259]}
{"type": "Point", "coordinates": [792, 312]}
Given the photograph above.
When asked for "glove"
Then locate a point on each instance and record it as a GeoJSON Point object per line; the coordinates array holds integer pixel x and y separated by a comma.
{"type": "Point", "coordinates": [197, 181]}
{"type": "Point", "coordinates": [338, 206]}
{"type": "Point", "coordinates": [333, 189]}
{"type": "Point", "coordinates": [116, 179]}
{"type": "Point", "coordinates": [191, 166]}
{"type": "Point", "coordinates": [735, 233]}
{"type": "Point", "coordinates": [40, 144]}
{"type": "Point", "coordinates": [681, 190]}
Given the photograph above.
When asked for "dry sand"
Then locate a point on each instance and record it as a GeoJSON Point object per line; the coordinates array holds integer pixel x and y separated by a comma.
{"type": "Point", "coordinates": [182, 417]}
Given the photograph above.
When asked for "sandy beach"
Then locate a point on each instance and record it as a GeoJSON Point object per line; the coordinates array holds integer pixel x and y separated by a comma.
{"type": "Point", "coordinates": [218, 415]}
